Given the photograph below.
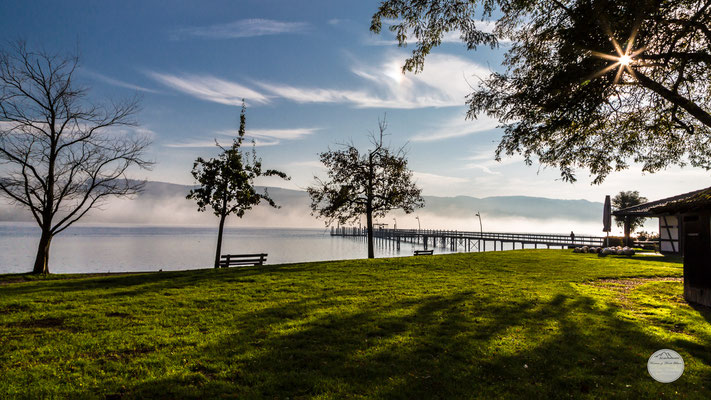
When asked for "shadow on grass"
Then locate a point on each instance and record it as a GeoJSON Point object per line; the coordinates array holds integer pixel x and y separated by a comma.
{"type": "Point", "coordinates": [139, 283]}
{"type": "Point", "coordinates": [460, 346]}
{"type": "Point", "coordinates": [674, 259]}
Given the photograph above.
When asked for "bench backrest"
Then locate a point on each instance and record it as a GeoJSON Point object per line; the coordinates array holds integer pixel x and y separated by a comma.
{"type": "Point", "coordinates": [424, 252]}
{"type": "Point", "coordinates": [243, 259]}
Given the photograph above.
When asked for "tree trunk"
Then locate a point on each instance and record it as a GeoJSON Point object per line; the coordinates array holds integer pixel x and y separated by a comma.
{"type": "Point", "coordinates": [369, 223]}
{"type": "Point", "coordinates": [42, 259]}
{"type": "Point", "coordinates": [627, 231]}
{"type": "Point", "coordinates": [219, 240]}
{"type": "Point", "coordinates": [369, 205]}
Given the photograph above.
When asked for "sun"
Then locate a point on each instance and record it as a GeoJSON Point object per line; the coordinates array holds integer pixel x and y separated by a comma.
{"type": "Point", "coordinates": [624, 60]}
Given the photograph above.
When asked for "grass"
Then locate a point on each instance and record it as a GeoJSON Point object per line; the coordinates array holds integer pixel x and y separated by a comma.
{"type": "Point", "coordinates": [515, 324]}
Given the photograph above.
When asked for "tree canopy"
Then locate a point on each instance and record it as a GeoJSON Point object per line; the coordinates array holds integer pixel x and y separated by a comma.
{"type": "Point", "coordinates": [624, 200]}
{"type": "Point", "coordinates": [592, 84]}
{"type": "Point", "coordinates": [227, 182]}
{"type": "Point", "coordinates": [369, 183]}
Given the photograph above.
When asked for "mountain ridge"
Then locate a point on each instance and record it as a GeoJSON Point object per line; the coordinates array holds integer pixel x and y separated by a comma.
{"type": "Point", "coordinates": [166, 201]}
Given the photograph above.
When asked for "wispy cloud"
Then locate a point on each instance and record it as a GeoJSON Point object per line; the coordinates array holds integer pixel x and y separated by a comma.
{"type": "Point", "coordinates": [116, 82]}
{"type": "Point", "coordinates": [272, 134]}
{"type": "Point", "coordinates": [313, 95]}
{"type": "Point", "coordinates": [282, 134]}
{"type": "Point", "coordinates": [457, 126]}
{"type": "Point", "coordinates": [224, 142]}
{"type": "Point", "coordinates": [485, 161]}
{"type": "Point", "coordinates": [444, 83]}
{"type": "Point", "coordinates": [429, 179]}
{"type": "Point", "coordinates": [242, 28]}
{"type": "Point", "coordinates": [261, 137]}
{"type": "Point", "coordinates": [210, 88]}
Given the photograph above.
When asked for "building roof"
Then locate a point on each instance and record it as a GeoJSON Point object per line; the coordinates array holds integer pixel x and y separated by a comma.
{"type": "Point", "coordinates": [698, 199]}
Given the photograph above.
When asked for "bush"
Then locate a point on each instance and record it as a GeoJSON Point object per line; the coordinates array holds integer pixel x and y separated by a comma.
{"type": "Point", "coordinates": [613, 241]}
{"type": "Point", "coordinates": [644, 236]}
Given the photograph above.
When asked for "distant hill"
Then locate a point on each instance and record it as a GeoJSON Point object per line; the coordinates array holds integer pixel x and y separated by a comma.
{"type": "Point", "coordinates": [515, 206]}
{"type": "Point", "coordinates": [165, 204]}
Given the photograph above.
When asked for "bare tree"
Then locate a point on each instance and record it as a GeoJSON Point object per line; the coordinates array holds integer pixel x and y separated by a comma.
{"type": "Point", "coordinates": [60, 154]}
{"type": "Point", "coordinates": [371, 183]}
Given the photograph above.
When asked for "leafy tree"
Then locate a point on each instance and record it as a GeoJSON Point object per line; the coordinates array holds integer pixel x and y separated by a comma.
{"type": "Point", "coordinates": [227, 182]}
{"type": "Point", "coordinates": [630, 223]}
{"type": "Point", "coordinates": [61, 154]}
{"type": "Point", "coordinates": [370, 183]}
{"type": "Point", "coordinates": [587, 83]}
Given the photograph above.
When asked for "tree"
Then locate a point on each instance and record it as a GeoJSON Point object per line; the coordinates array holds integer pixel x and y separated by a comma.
{"type": "Point", "coordinates": [370, 183]}
{"type": "Point", "coordinates": [588, 83]}
{"type": "Point", "coordinates": [227, 182]}
{"type": "Point", "coordinates": [630, 223]}
{"type": "Point", "coordinates": [60, 154]}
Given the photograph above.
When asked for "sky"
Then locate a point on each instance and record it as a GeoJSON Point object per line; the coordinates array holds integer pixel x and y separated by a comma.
{"type": "Point", "coordinates": [313, 77]}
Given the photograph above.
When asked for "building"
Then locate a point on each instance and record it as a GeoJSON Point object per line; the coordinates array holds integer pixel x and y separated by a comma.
{"type": "Point", "coordinates": [684, 228]}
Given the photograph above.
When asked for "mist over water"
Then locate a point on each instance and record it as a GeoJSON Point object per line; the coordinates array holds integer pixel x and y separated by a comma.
{"type": "Point", "coordinates": [114, 248]}
{"type": "Point", "coordinates": [83, 249]}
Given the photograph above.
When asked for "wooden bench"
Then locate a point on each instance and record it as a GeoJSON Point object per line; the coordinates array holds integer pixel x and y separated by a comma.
{"type": "Point", "coordinates": [229, 260]}
{"type": "Point", "coordinates": [424, 252]}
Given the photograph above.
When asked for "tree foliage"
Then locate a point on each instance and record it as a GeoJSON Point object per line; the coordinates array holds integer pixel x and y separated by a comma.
{"type": "Point", "coordinates": [369, 183]}
{"type": "Point", "coordinates": [628, 199]}
{"type": "Point", "coordinates": [227, 181]}
{"type": "Point", "coordinates": [567, 97]}
{"type": "Point", "coordinates": [61, 154]}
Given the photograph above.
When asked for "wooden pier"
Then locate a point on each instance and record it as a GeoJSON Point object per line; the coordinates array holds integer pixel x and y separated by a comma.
{"type": "Point", "coordinates": [469, 241]}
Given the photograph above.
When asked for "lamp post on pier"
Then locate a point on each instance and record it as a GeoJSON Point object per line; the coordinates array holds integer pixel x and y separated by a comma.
{"type": "Point", "coordinates": [417, 217]}
{"type": "Point", "coordinates": [481, 230]}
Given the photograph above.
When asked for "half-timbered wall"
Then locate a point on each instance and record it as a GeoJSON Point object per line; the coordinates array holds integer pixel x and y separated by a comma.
{"type": "Point", "coordinates": [669, 234]}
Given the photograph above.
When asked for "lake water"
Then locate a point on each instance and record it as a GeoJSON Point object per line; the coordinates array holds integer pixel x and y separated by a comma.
{"type": "Point", "coordinates": [82, 249]}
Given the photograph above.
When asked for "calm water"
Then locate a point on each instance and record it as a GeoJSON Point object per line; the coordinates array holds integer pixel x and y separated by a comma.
{"type": "Point", "coordinates": [118, 249]}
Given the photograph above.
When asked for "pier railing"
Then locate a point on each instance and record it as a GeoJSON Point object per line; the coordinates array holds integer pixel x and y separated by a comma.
{"type": "Point", "coordinates": [454, 239]}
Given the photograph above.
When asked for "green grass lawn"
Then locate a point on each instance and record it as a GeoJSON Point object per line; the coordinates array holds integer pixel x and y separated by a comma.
{"type": "Point", "coordinates": [516, 324]}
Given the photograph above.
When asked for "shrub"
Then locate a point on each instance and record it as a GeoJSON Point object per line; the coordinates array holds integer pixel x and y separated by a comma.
{"type": "Point", "coordinates": [615, 241]}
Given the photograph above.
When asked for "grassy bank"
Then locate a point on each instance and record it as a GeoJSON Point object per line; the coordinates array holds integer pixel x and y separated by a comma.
{"type": "Point", "coordinates": [516, 324]}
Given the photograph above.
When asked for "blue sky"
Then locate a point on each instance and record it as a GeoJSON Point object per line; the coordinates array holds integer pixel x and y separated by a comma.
{"type": "Point", "coordinates": [312, 75]}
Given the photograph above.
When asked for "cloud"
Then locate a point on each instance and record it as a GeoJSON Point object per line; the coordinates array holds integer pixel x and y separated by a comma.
{"type": "Point", "coordinates": [261, 137]}
{"type": "Point", "coordinates": [314, 95]}
{"type": "Point", "coordinates": [455, 127]}
{"type": "Point", "coordinates": [282, 134]}
{"type": "Point", "coordinates": [210, 88]}
{"type": "Point", "coordinates": [429, 179]}
{"type": "Point", "coordinates": [484, 160]}
{"type": "Point", "coordinates": [116, 82]}
{"type": "Point", "coordinates": [443, 83]}
{"type": "Point", "coordinates": [243, 28]}
{"type": "Point", "coordinates": [221, 142]}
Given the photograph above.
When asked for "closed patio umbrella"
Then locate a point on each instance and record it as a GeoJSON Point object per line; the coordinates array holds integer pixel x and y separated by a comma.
{"type": "Point", "coordinates": [607, 217]}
